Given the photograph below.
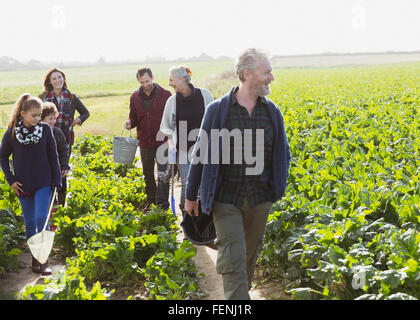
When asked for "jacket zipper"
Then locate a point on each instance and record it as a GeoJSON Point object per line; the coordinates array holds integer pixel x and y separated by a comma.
{"type": "Point", "coordinates": [148, 128]}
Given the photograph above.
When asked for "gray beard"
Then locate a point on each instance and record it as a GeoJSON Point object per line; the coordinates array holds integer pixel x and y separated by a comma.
{"type": "Point", "coordinates": [262, 91]}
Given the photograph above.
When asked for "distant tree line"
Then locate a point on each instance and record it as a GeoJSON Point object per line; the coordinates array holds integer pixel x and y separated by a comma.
{"type": "Point", "coordinates": [9, 63]}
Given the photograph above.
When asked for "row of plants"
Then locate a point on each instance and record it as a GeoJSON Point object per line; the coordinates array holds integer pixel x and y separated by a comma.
{"type": "Point", "coordinates": [349, 224]}
{"type": "Point", "coordinates": [108, 242]}
{"type": "Point", "coordinates": [12, 230]}
{"type": "Point", "coordinates": [12, 238]}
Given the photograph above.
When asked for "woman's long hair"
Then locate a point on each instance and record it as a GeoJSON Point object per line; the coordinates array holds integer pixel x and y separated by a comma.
{"type": "Point", "coordinates": [47, 83]}
{"type": "Point", "coordinates": [25, 102]}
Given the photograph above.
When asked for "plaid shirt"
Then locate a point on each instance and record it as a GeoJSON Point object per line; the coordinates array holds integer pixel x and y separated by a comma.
{"type": "Point", "coordinates": [64, 108]}
{"type": "Point", "coordinates": [235, 185]}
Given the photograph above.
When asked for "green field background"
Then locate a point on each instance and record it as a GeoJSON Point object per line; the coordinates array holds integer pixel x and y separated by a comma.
{"type": "Point", "coordinates": [106, 90]}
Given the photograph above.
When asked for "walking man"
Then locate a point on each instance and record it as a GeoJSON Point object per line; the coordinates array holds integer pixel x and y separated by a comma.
{"type": "Point", "coordinates": [146, 109]}
{"type": "Point", "coordinates": [238, 199]}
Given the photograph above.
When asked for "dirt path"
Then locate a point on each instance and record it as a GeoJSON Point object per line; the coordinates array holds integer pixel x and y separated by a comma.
{"type": "Point", "coordinates": [205, 259]}
{"type": "Point", "coordinates": [209, 280]}
{"type": "Point", "coordinates": [12, 284]}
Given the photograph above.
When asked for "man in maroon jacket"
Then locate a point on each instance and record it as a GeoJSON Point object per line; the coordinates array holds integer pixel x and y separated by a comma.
{"type": "Point", "coordinates": [146, 109]}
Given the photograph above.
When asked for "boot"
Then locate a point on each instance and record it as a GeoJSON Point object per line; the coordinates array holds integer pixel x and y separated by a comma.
{"type": "Point", "coordinates": [45, 270]}
{"type": "Point", "coordinates": [36, 266]}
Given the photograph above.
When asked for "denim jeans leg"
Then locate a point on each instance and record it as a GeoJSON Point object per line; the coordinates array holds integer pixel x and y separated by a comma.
{"type": "Point", "coordinates": [162, 195]}
{"type": "Point", "coordinates": [183, 164]}
{"type": "Point", "coordinates": [27, 205]}
{"type": "Point", "coordinates": [183, 172]}
{"type": "Point", "coordinates": [35, 210]}
{"type": "Point", "coordinates": [42, 199]}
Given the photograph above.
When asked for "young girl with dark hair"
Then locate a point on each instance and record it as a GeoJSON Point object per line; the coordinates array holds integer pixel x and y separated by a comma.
{"type": "Point", "coordinates": [36, 170]}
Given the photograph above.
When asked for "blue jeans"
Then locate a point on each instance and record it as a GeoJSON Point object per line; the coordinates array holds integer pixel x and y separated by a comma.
{"type": "Point", "coordinates": [35, 210]}
{"type": "Point", "coordinates": [183, 172]}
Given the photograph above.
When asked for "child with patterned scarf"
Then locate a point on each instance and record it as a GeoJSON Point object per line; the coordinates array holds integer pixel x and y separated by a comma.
{"type": "Point", "coordinates": [36, 170]}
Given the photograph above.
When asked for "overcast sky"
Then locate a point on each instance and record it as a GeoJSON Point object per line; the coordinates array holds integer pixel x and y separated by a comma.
{"type": "Point", "coordinates": [84, 30]}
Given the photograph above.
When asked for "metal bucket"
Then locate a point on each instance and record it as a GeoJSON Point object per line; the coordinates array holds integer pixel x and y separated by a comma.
{"type": "Point", "coordinates": [124, 149]}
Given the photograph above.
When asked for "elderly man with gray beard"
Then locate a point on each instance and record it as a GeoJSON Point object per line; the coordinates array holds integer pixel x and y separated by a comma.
{"type": "Point", "coordinates": [239, 200]}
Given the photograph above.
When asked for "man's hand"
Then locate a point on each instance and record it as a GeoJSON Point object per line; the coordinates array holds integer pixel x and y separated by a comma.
{"type": "Point", "coordinates": [191, 206]}
{"type": "Point", "coordinates": [127, 124]}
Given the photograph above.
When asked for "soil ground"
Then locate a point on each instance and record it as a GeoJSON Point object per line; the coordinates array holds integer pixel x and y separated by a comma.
{"type": "Point", "coordinates": [13, 283]}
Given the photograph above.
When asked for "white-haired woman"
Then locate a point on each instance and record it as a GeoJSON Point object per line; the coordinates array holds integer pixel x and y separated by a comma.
{"type": "Point", "coordinates": [182, 115]}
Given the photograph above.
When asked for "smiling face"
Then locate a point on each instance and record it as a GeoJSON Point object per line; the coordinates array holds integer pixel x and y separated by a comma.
{"type": "Point", "coordinates": [51, 119]}
{"type": "Point", "coordinates": [146, 82]}
{"type": "Point", "coordinates": [31, 117]}
{"type": "Point", "coordinates": [261, 77]}
{"type": "Point", "coordinates": [57, 80]}
{"type": "Point", "coordinates": [176, 83]}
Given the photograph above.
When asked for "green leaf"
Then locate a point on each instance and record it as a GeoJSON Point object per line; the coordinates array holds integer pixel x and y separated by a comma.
{"type": "Point", "coordinates": [50, 293]}
{"type": "Point", "coordinates": [303, 293]}
{"type": "Point", "coordinates": [400, 296]}
{"type": "Point", "coordinates": [413, 265]}
{"type": "Point", "coordinates": [336, 255]}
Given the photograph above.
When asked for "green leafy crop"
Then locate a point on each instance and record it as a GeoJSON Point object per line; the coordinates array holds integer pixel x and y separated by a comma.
{"type": "Point", "coordinates": [348, 226]}
{"type": "Point", "coordinates": [105, 238]}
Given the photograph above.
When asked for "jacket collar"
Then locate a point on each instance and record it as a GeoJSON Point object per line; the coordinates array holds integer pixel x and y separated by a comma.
{"type": "Point", "coordinates": [234, 100]}
{"type": "Point", "coordinates": [226, 102]}
{"type": "Point", "coordinates": [156, 87]}
{"type": "Point", "coordinates": [190, 97]}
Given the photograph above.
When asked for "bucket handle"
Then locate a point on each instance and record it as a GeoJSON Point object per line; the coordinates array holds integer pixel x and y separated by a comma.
{"type": "Point", "coordinates": [123, 131]}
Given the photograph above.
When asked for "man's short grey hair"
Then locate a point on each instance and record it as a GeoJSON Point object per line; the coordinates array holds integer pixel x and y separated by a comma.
{"type": "Point", "coordinates": [181, 72]}
{"type": "Point", "coordinates": [247, 60]}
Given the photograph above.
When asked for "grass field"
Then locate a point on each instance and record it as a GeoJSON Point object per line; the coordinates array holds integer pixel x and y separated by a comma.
{"type": "Point", "coordinates": [104, 90]}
